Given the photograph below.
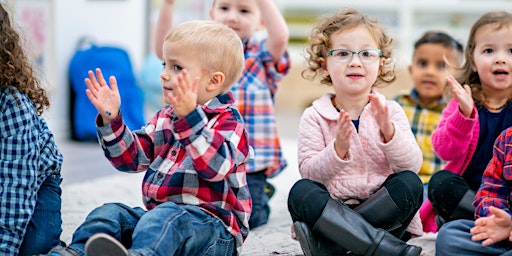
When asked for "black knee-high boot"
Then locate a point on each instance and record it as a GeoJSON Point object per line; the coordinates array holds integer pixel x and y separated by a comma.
{"type": "Point", "coordinates": [351, 231]}
{"type": "Point", "coordinates": [380, 211]}
{"type": "Point", "coordinates": [464, 209]}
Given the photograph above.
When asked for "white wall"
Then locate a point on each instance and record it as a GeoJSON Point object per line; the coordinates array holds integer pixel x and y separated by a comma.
{"type": "Point", "coordinates": [113, 22]}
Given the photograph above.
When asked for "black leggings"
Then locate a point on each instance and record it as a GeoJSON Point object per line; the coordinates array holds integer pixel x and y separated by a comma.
{"type": "Point", "coordinates": [308, 198]}
{"type": "Point", "coordinates": [445, 191]}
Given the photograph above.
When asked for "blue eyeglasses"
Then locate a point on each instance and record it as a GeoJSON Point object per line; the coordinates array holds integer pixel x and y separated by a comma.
{"type": "Point", "coordinates": [366, 55]}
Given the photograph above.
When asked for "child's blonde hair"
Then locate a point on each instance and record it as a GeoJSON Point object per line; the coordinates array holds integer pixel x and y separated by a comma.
{"type": "Point", "coordinates": [217, 46]}
{"type": "Point", "coordinates": [320, 43]}
{"type": "Point", "coordinates": [468, 76]}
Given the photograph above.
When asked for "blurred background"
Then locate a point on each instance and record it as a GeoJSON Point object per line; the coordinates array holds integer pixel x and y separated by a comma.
{"type": "Point", "coordinates": [53, 28]}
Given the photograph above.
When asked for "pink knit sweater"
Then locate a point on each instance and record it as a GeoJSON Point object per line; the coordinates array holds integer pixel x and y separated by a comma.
{"type": "Point", "coordinates": [370, 160]}
{"type": "Point", "coordinates": [454, 140]}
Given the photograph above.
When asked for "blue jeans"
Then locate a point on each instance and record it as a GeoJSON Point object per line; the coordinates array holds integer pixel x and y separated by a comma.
{"type": "Point", "coordinates": [45, 227]}
{"type": "Point", "coordinates": [454, 239]}
{"type": "Point", "coordinates": [256, 182]}
{"type": "Point", "coordinates": [168, 229]}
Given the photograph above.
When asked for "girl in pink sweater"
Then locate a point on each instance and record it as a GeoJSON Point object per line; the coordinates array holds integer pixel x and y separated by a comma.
{"type": "Point", "coordinates": [477, 113]}
{"type": "Point", "coordinates": [358, 158]}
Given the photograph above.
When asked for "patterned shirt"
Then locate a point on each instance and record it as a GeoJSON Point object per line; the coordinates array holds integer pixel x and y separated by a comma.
{"type": "Point", "coordinates": [496, 187]}
{"type": "Point", "coordinates": [423, 122]}
{"type": "Point", "coordinates": [196, 160]}
{"type": "Point", "coordinates": [28, 155]}
{"type": "Point", "coordinates": [254, 97]}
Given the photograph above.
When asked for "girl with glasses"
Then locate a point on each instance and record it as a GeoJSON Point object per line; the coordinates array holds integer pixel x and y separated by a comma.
{"type": "Point", "coordinates": [358, 158]}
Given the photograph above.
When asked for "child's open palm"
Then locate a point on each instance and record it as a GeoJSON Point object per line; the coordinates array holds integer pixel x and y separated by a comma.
{"type": "Point", "coordinates": [493, 228]}
{"type": "Point", "coordinates": [462, 94]}
{"type": "Point", "coordinates": [106, 99]}
{"type": "Point", "coordinates": [184, 99]}
{"type": "Point", "coordinates": [381, 114]}
{"type": "Point", "coordinates": [343, 132]}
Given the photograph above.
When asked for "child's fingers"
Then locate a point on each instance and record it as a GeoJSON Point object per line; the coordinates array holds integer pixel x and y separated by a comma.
{"type": "Point", "coordinates": [91, 82]}
{"type": "Point", "coordinates": [101, 79]}
{"type": "Point", "coordinates": [179, 87]}
{"type": "Point", "coordinates": [113, 84]}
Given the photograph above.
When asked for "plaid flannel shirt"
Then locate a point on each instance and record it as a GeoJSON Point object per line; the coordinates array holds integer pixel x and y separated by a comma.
{"type": "Point", "coordinates": [196, 160]}
{"type": "Point", "coordinates": [423, 122]}
{"type": "Point", "coordinates": [28, 155]}
{"type": "Point", "coordinates": [254, 97]}
{"type": "Point", "coordinates": [496, 187]}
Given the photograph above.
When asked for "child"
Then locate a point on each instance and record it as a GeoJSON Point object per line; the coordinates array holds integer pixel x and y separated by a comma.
{"type": "Point", "coordinates": [30, 162]}
{"type": "Point", "coordinates": [193, 151]}
{"type": "Point", "coordinates": [491, 233]}
{"type": "Point", "coordinates": [266, 63]}
{"type": "Point", "coordinates": [357, 154]}
{"type": "Point", "coordinates": [435, 55]}
{"type": "Point", "coordinates": [477, 113]}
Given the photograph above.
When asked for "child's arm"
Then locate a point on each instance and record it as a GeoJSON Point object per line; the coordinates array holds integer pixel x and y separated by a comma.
{"type": "Point", "coordinates": [163, 25]}
{"type": "Point", "coordinates": [278, 34]}
{"type": "Point", "coordinates": [106, 99]}
{"type": "Point", "coordinates": [492, 229]}
{"type": "Point", "coordinates": [492, 199]}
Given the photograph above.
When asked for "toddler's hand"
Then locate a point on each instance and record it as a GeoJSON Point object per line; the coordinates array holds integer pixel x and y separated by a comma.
{"type": "Point", "coordinates": [184, 99]}
{"type": "Point", "coordinates": [493, 228]}
{"type": "Point", "coordinates": [463, 96]}
{"type": "Point", "coordinates": [381, 114]}
{"type": "Point", "coordinates": [343, 132]}
{"type": "Point", "coordinates": [106, 99]}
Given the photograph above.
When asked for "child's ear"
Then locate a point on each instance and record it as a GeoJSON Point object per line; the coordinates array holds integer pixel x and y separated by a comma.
{"type": "Point", "coordinates": [410, 69]}
{"type": "Point", "coordinates": [216, 81]}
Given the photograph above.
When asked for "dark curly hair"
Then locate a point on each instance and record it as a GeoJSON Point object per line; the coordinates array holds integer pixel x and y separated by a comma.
{"type": "Point", "coordinates": [15, 67]}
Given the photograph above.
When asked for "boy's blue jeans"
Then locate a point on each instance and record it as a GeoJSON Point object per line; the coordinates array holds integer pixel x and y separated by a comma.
{"type": "Point", "coordinates": [454, 238]}
{"type": "Point", "coordinates": [168, 229]}
{"type": "Point", "coordinates": [44, 229]}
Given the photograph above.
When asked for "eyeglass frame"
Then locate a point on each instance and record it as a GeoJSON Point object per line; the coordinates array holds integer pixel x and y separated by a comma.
{"type": "Point", "coordinates": [379, 51]}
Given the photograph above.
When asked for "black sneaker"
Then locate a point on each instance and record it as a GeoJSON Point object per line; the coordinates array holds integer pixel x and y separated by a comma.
{"type": "Point", "coordinates": [270, 190]}
{"type": "Point", "coordinates": [104, 245]}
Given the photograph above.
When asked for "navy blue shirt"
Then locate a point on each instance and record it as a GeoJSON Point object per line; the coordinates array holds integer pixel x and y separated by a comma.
{"type": "Point", "coordinates": [491, 125]}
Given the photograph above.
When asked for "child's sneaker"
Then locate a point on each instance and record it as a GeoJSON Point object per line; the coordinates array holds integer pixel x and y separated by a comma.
{"type": "Point", "coordinates": [269, 190]}
{"type": "Point", "coordinates": [102, 244]}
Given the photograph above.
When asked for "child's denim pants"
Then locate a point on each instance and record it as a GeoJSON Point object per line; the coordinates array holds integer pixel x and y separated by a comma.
{"type": "Point", "coordinates": [168, 229]}
{"type": "Point", "coordinates": [454, 238]}
{"type": "Point", "coordinates": [45, 227]}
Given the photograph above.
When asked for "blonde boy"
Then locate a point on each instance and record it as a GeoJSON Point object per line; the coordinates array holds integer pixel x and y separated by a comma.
{"type": "Point", "coordinates": [193, 152]}
{"type": "Point", "coordinates": [266, 63]}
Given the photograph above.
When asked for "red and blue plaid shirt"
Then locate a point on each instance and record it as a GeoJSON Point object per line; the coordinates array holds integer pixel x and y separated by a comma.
{"type": "Point", "coordinates": [196, 160]}
{"type": "Point", "coordinates": [496, 187]}
{"type": "Point", "coordinates": [254, 97]}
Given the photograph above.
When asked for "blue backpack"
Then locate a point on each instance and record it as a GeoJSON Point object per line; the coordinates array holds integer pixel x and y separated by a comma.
{"type": "Point", "coordinates": [112, 61]}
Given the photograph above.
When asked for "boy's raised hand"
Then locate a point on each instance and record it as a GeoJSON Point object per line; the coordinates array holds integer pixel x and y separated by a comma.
{"type": "Point", "coordinates": [184, 99]}
{"type": "Point", "coordinates": [463, 96]}
{"type": "Point", "coordinates": [106, 99]}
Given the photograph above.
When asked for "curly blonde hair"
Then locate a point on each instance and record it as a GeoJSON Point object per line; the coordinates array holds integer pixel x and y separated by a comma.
{"type": "Point", "coordinates": [319, 44]}
{"type": "Point", "coordinates": [15, 67]}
